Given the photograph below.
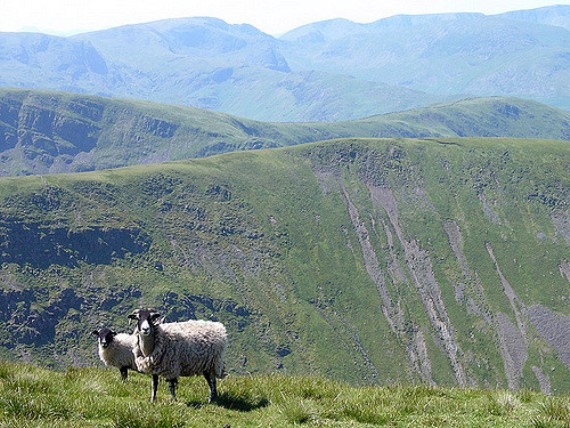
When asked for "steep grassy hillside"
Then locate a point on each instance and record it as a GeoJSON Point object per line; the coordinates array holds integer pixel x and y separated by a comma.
{"type": "Point", "coordinates": [377, 261]}
{"type": "Point", "coordinates": [95, 398]}
{"type": "Point", "coordinates": [54, 132]}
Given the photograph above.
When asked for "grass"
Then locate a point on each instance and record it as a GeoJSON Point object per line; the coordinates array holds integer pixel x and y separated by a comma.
{"type": "Point", "coordinates": [92, 397]}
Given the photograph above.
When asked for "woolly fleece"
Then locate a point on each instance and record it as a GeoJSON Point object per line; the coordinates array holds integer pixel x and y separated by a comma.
{"type": "Point", "coordinates": [185, 349]}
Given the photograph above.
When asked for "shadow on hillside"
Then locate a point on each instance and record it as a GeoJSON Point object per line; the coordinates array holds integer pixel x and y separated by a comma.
{"type": "Point", "coordinates": [240, 404]}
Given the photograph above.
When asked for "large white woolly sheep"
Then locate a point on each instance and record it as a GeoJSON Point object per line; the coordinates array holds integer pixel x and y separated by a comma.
{"type": "Point", "coordinates": [179, 349]}
{"type": "Point", "coordinates": [116, 349]}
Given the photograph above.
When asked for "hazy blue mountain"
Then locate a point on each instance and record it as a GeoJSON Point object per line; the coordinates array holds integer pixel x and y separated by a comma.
{"type": "Point", "coordinates": [326, 71]}
{"type": "Point", "coordinates": [194, 41]}
{"type": "Point", "coordinates": [39, 60]}
{"type": "Point", "coordinates": [557, 16]}
{"type": "Point", "coordinates": [444, 54]}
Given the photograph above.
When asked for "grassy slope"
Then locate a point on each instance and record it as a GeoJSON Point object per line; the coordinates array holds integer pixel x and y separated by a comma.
{"type": "Point", "coordinates": [34, 397]}
{"type": "Point", "coordinates": [51, 132]}
{"type": "Point", "coordinates": [267, 237]}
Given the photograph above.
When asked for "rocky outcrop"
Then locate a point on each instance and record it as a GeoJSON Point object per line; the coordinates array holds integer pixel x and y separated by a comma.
{"type": "Point", "coordinates": [513, 337]}
{"type": "Point", "coordinates": [30, 317]}
{"type": "Point", "coordinates": [553, 328]}
{"type": "Point", "coordinates": [39, 245]}
{"type": "Point", "coordinates": [420, 268]}
{"type": "Point", "coordinates": [51, 134]}
{"type": "Point", "coordinates": [402, 327]}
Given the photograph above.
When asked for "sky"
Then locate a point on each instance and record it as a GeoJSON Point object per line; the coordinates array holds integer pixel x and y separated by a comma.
{"type": "Point", "coordinates": [275, 17]}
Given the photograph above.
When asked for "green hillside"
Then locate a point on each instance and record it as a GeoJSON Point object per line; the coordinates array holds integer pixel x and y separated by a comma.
{"type": "Point", "coordinates": [44, 132]}
{"type": "Point", "coordinates": [374, 261]}
{"type": "Point", "coordinates": [35, 397]}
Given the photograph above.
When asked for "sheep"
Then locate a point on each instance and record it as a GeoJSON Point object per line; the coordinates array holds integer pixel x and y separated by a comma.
{"type": "Point", "coordinates": [179, 349]}
{"type": "Point", "coordinates": [116, 349]}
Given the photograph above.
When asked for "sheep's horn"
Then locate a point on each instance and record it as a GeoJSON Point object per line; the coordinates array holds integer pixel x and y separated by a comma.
{"type": "Point", "coordinates": [134, 315]}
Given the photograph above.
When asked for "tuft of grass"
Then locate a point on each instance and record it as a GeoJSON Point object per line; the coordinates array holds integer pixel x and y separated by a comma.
{"type": "Point", "coordinates": [552, 413]}
{"type": "Point", "coordinates": [298, 411]}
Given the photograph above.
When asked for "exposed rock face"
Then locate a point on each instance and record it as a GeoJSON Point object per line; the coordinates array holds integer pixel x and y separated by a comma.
{"type": "Point", "coordinates": [514, 349]}
{"type": "Point", "coordinates": [419, 265]}
{"type": "Point", "coordinates": [40, 246]}
{"type": "Point", "coordinates": [402, 327]}
{"type": "Point", "coordinates": [396, 261]}
{"type": "Point", "coordinates": [554, 328]}
{"type": "Point", "coordinates": [32, 320]}
{"type": "Point", "coordinates": [42, 134]}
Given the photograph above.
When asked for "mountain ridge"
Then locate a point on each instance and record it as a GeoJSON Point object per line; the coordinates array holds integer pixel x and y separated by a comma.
{"type": "Point", "coordinates": [51, 132]}
{"type": "Point", "coordinates": [390, 65]}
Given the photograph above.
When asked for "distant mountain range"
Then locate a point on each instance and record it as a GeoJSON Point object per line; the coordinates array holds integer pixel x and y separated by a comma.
{"type": "Point", "coordinates": [326, 71]}
{"type": "Point", "coordinates": [45, 132]}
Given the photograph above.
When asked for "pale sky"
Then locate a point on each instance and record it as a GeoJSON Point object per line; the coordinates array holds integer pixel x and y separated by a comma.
{"type": "Point", "coordinates": [66, 17]}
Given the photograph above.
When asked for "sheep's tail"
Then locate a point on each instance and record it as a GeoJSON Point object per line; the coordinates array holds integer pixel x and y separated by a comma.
{"type": "Point", "coordinates": [220, 367]}
{"type": "Point", "coordinates": [221, 371]}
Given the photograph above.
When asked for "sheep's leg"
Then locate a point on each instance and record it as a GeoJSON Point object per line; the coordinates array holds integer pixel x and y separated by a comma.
{"type": "Point", "coordinates": [124, 372]}
{"type": "Point", "coordinates": [154, 387]}
{"type": "Point", "coordinates": [211, 379]}
{"type": "Point", "coordinates": [172, 386]}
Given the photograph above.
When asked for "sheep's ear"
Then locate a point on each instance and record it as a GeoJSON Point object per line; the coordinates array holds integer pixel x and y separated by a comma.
{"type": "Point", "coordinates": [155, 318]}
{"type": "Point", "coordinates": [134, 315]}
{"type": "Point", "coordinates": [113, 332]}
{"type": "Point", "coordinates": [95, 332]}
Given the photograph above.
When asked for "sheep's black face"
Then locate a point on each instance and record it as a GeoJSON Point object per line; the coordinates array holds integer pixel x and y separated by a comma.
{"type": "Point", "coordinates": [146, 320]}
{"type": "Point", "coordinates": [104, 336]}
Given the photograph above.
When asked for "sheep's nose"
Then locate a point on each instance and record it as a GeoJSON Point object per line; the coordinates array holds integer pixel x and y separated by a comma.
{"type": "Point", "coordinates": [145, 328]}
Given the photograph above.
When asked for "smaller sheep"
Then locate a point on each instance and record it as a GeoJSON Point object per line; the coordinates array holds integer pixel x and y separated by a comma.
{"type": "Point", "coordinates": [116, 349]}
{"type": "Point", "coordinates": [177, 349]}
